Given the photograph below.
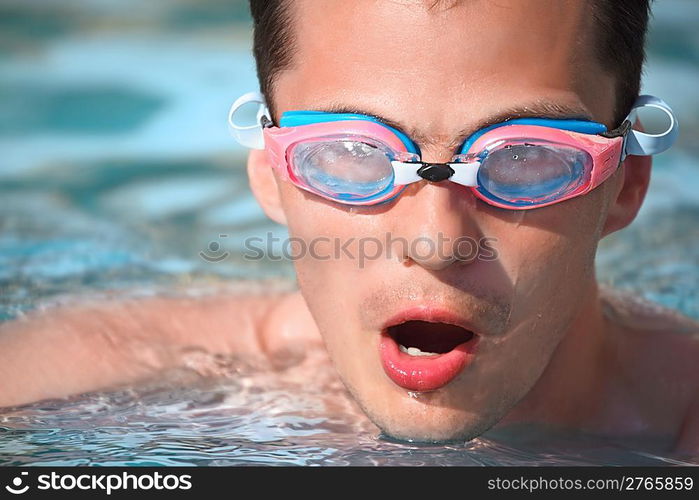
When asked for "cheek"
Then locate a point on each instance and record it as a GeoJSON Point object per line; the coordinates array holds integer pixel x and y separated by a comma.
{"type": "Point", "coordinates": [318, 230]}
{"type": "Point", "coordinates": [549, 253]}
{"type": "Point", "coordinates": [333, 283]}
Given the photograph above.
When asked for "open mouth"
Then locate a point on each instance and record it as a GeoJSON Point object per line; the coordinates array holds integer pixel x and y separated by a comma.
{"type": "Point", "coordinates": [421, 355]}
{"type": "Point", "coordinates": [423, 338]}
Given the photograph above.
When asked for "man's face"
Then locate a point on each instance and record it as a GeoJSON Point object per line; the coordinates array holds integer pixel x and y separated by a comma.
{"type": "Point", "coordinates": [439, 72]}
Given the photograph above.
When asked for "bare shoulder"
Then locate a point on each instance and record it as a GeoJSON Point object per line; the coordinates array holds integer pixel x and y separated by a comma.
{"type": "Point", "coordinates": [643, 315]}
{"type": "Point", "coordinates": [659, 355]}
{"type": "Point", "coordinates": [688, 435]}
{"type": "Point", "coordinates": [289, 331]}
{"type": "Point", "coordinates": [663, 342]}
{"type": "Point", "coordinates": [99, 344]}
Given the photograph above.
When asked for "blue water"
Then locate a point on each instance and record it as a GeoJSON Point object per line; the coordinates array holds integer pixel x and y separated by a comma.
{"type": "Point", "coordinates": [116, 170]}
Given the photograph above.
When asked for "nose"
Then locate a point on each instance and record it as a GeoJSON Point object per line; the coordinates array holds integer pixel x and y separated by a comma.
{"type": "Point", "coordinates": [438, 220]}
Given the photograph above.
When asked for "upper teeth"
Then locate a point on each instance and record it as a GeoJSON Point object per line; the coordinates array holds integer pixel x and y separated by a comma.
{"type": "Point", "coordinates": [414, 351]}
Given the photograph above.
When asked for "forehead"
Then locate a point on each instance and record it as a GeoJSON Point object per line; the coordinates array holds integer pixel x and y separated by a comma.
{"type": "Point", "coordinates": [442, 68]}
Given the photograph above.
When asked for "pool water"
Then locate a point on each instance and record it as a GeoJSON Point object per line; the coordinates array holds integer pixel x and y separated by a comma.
{"type": "Point", "coordinates": [117, 170]}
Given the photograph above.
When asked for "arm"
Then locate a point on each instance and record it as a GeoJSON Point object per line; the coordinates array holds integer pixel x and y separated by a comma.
{"type": "Point", "coordinates": [73, 350]}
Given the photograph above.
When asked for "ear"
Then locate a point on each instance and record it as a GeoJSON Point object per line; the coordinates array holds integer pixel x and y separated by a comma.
{"type": "Point", "coordinates": [263, 184]}
{"type": "Point", "coordinates": [628, 193]}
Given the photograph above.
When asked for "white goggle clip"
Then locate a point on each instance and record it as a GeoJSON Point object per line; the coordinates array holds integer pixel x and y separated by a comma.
{"type": "Point", "coordinates": [249, 136]}
{"type": "Point", "coordinates": [643, 143]}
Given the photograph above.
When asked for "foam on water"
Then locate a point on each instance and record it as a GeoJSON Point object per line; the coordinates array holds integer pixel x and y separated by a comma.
{"type": "Point", "coordinates": [258, 418]}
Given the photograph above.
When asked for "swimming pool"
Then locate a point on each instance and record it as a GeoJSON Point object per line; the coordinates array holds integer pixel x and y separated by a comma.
{"type": "Point", "coordinates": [117, 170]}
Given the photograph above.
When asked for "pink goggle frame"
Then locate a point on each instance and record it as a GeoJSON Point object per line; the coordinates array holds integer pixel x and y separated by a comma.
{"type": "Point", "coordinates": [604, 150]}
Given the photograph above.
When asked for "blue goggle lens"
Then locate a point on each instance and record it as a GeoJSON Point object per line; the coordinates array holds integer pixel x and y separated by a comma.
{"type": "Point", "coordinates": [524, 173]}
{"type": "Point", "coordinates": [519, 173]}
{"type": "Point", "coordinates": [345, 170]}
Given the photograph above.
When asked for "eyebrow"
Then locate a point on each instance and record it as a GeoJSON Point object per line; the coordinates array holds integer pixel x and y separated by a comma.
{"type": "Point", "coordinates": [536, 109]}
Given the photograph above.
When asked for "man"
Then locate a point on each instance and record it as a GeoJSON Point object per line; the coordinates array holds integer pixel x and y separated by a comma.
{"type": "Point", "coordinates": [433, 346]}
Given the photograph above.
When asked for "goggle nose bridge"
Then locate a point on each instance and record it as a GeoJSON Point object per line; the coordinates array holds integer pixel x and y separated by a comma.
{"type": "Point", "coordinates": [435, 172]}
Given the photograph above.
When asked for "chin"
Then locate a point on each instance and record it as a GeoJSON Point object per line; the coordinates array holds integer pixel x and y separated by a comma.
{"type": "Point", "coordinates": [430, 432]}
{"type": "Point", "coordinates": [418, 421]}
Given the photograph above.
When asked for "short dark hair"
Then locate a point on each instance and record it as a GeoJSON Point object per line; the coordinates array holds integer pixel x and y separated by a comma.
{"type": "Point", "coordinates": [619, 44]}
{"type": "Point", "coordinates": [273, 43]}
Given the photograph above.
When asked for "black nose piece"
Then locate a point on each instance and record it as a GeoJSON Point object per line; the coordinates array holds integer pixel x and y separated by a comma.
{"type": "Point", "coordinates": [435, 172]}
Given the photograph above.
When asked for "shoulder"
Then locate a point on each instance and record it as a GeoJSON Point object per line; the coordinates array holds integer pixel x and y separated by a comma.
{"type": "Point", "coordinates": [658, 352]}
{"type": "Point", "coordinates": [652, 327]}
{"type": "Point", "coordinates": [642, 315]}
{"type": "Point", "coordinates": [289, 333]}
{"type": "Point", "coordinates": [688, 435]}
{"type": "Point", "coordinates": [661, 342]}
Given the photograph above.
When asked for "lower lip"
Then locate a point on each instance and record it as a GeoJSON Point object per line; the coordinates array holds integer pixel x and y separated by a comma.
{"type": "Point", "coordinates": [423, 373]}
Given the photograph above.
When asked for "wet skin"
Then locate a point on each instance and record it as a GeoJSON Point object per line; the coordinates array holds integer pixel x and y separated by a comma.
{"type": "Point", "coordinates": [551, 349]}
{"type": "Point", "coordinates": [440, 74]}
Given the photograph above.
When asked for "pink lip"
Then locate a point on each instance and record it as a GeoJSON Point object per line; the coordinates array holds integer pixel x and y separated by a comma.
{"type": "Point", "coordinates": [426, 373]}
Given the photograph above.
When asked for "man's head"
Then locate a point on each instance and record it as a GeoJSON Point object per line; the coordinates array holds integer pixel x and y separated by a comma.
{"type": "Point", "coordinates": [438, 69]}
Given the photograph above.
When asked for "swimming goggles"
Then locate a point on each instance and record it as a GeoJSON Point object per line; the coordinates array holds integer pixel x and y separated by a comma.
{"type": "Point", "coordinates": [518, 164]}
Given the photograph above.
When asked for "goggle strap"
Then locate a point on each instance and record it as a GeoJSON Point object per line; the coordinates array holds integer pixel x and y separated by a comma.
{"type": "Point", "coordinates": [620, 131]}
